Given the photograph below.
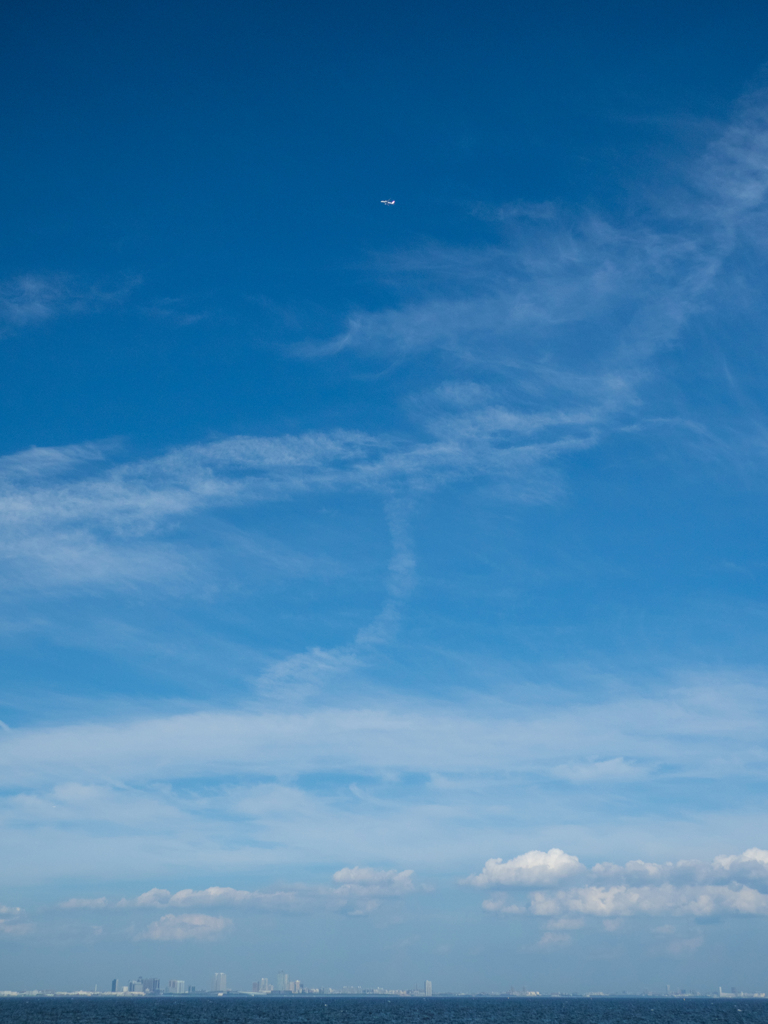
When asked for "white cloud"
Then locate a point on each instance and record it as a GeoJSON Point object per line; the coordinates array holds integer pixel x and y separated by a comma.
{"type": "Point", "coordinates": [179, 927]}
{"type": "Point", "coordinates": [624, 900]}
{"type": "Point", "coordinates": [659, 897]}
{"type": "Point", "coordinates": [359, 890]}
{"type": "Point", "coordinates": [753, 863]}
{"type": "Point", "coordinates": [532, 868]}
{"type": "Point", "coordinates": [750, 866]}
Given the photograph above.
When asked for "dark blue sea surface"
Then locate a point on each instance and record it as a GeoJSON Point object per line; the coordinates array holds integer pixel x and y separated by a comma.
{"type": "Point", "coordinates": [381, 1010]}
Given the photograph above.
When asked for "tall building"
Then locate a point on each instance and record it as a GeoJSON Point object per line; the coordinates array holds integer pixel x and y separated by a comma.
{"type": "Point", "coordinates": [262, 986]}
{"type": "Point", "coordinates": [114, 985]}
{"type": "Point", "coordinates": [151, 985]}
{"type": "Point", "coordinates": [220, 982]}
{"type": "Point", "coordinates": [177, 987]}
{"type": "Point", "coordinates": [427, 988]}
{"type": "Point", "coordinates": [282, 981]}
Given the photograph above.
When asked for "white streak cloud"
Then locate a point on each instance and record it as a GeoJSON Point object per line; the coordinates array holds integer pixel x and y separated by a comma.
{"type": "Point", "coordinates": [180, 927]}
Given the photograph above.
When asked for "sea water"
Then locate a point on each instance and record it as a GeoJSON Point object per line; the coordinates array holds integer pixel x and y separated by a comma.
{"type": "Point", "coordinates": [380, 1010]}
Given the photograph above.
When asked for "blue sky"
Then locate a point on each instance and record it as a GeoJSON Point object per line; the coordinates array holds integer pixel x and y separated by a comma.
{"type": "Point", "coordinates": [384, 587]}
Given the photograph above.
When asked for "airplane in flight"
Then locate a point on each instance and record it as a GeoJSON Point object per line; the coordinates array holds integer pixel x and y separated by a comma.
{"type": "Point", "coordinates": [389, 202]}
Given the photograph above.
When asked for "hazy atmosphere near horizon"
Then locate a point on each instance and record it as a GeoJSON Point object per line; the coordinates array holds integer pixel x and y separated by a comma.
{"type": "Point", "coordinates": [384, 585]}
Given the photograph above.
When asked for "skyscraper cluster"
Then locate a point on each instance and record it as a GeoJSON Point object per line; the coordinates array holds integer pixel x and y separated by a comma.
{"type": "Point", "coordinates": [283, 984]}
{"type": "Point", "coordinates": [149, 986]}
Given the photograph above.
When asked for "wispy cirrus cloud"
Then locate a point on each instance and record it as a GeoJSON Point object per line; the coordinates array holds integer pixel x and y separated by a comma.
{"type": "Point", "coordinates": [30, 299]}
{"type": "Point", "coordinates": [552, 335]}
{"type": "Point", "coordinates": [538, 348]}
{"type": "Point", "coordinates": [590, 293]}
{"type": "Point", "coordinates": [133, 498]}
{"type": "Point", "coordinates": [78, 516]}
{"type": "Point", "coordinates": [574, 314]}
{"type": "Point", "coordinates": [405, 735]}
{"type": "Point", "coordinates": [546, 340]}
{"type": "Point", "coordinates": [292, 784]}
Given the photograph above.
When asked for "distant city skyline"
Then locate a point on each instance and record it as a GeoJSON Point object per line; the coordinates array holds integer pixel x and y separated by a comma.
{"type": "Point", "coordinates": [178, 988]}
{"type": "Point", "coordinates": [284, 986]}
